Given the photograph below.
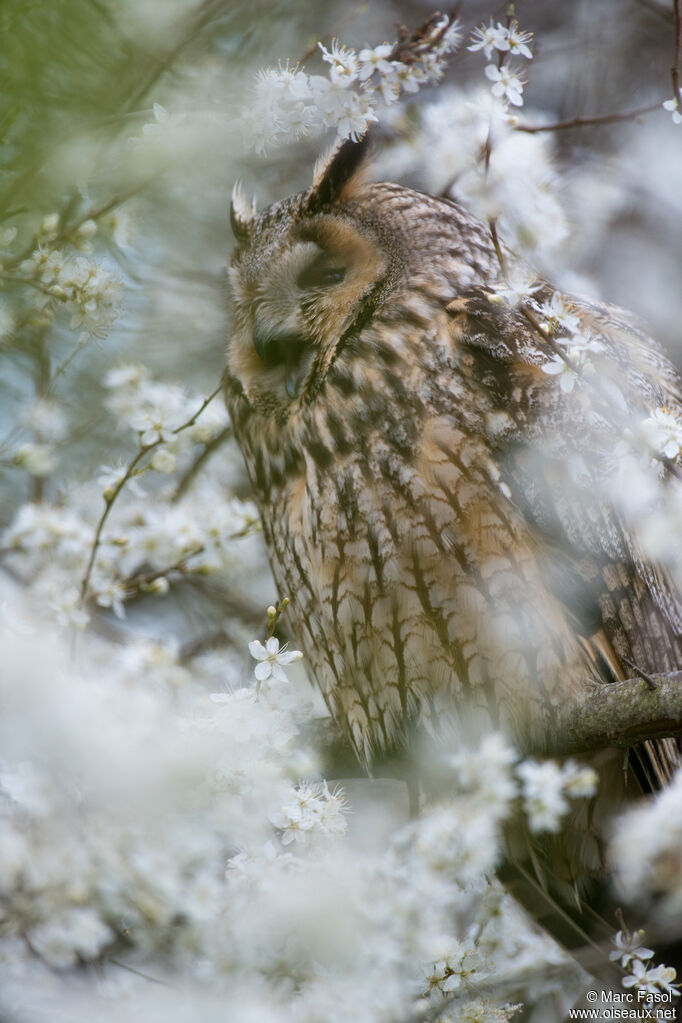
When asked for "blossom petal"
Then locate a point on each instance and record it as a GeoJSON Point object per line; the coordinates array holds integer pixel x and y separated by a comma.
{"type": "Point", "coordinates": [262, 670]}
{"type": "Point", "coordinates": [289, 656]}
{"type": "Point", "coordinates": [257, 650]}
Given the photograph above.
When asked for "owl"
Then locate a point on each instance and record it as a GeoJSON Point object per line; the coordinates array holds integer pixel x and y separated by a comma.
{"type": "Point", "coordinates": [437, 479]}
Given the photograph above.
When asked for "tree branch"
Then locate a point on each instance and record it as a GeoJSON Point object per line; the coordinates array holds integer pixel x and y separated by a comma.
{"type": "Point", "coordinates": [582, 122]}
{"type": "Point", "coordinates": [621, 714]}
{"type": "Point", "coordinates": [677, 58]}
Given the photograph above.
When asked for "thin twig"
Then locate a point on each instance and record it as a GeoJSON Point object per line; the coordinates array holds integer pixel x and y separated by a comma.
{"type": "Point", "coordinates": [525, 310]}
{"type": "Point", "coordinates": [675, 69]}
{"type": "Point", "coordinates": [207, 401]}
{"type": "Point", "coordinates": [63, 366]}
{"type": "Point", "coordinates": [658, 7]}
{"type": "Point", "coordinates": [190, 474]}
{"type": "Point", "coordinates": [138, 973]}
{"type": "Point", "coordinates": [29, 281]}
{"type": "Point", "coordinates": [581, 122]}
{"type": "Point", "coordinates": [65, 232]}
{"type": "Point", "coordinates": [137, 582]}
{"type": "Point", "coordinates": [108, 504]}
{"type": "Point", "coordinates": [529, 315]}
{"type": "Point", "coordinates": [492, 225]}
{"type": "Point", "coordinates": [128, 474]}
{"type": "Point", "coordinates": [208, 641]}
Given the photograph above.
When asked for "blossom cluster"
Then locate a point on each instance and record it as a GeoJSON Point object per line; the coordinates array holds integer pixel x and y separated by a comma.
{"type": "Point", "coordinates": [477, 157]}
{"type": "Point", "coordinates": [547, 787]}
{"type": "Point", "coordinates": [662, 432]}
{"type": "Point", "coordinates": [193, 835]}
{"type": "Point", "coordinates": [148, 543]}
{"type": "Point", "coordinates": [654, 829]}
{"type": "Point", "coordinates": [650, 981]}
{"type": "Point", "coordinates": [289, 102]}
{"type": "Point", "coordinates": [577, 344]}
{"type": "Point", "coordinates": [507, 82]}
{"type": "Point", "coordinates": [89, 293]}
{"type": "Point", "coordinates": [673, 108]}
{"type": "Point", "coordinates": [132, 856]}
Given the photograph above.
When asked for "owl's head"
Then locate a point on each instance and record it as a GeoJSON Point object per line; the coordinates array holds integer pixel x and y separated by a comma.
{"type": "Point", "coordinates": [306, 275]}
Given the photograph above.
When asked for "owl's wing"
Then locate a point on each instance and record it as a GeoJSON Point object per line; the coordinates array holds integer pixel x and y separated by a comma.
{"type": "Point", "coordinates": [559, 453]}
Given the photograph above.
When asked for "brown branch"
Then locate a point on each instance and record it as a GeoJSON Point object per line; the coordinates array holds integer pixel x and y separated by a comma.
{"type": "Point", "coordinates": [185, 481]}
{"type": "Point", "coordinates": [130, 471]}
{"type": "Point", "coordinates": [580, 122]}
{"type": "Point", "coordinates": [599, 716]}
{"type": "Point", "coordinates": [622, 714]}
{"type": "Point", "coordinates": [675, 69]}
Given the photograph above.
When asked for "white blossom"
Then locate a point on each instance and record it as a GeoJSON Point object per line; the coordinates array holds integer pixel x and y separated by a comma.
{"type": "Point", "coordinates": [375, 59]}
{"type": "Point", "coordinates": [559, 313]}
{"type": "Point", "coordinates": [158, 411]}
{"type": "Point", "coordinates": [154, 424]}
{"type": "Point", "coordinates": [580, 781]}
{"type": "Point", "coordinates": [36, 459]}
{"type": "Point", "coordinates": [68, 608]}
{"type": "Point", "coordinates": [289, 102]}
{"type": "Point", "coordinates": [546, 788]}
{"type": "Point", "coordinates": [672, 106]}
{"type": "Point", "coordinates": [661, 978]}
{"type": "Point", "coordinates": [128, 375]}
{"type": "Point", "coordinates": [164, 460]}
{"type": "Point", "coordinates": [272, 660]}
{"type": "Point", "coordinates": [487, 772]}
{"type": "Point", "coordinates": [488, 38]}
{"type": "Point", "coordinates": [90, 293]}
{"type": "Point", "coordinates": [577, 360]}
{"type": "Point", "coordinates": [654, 830]}
{"type": "Point", "coordinates": [42, 530]}
{"type": "Point", "coordinates": [563, 369]}
{"type": "Point", "coordinates": [520, 286]}
{"type": "Point", "coordinates": [662, 431]}
{"type": "Point", "coordinates": [628, 948]}
{"type": "Point", "coordinates": [506, 83]}
{"type": "Point", "coordinates": [161, 119]}
{"type": "Point", "coordinates": [354, 116]}
{"type": "Point", "coordinates": [80, 932]}
{"type": "Point", "coordinates": [450, 39]}
{"type": "Point", "coordinates": [49, 224]}
{"type": "Point", "coordinates": [110, 593]}
{"type": "Point", "coordinates": [110, 476]}
{"type": "Point", "coordinates": [544, 799]}
{"type": "Point", "coordinates": [344, 66]}
{"type": "Point", "coordinates": [652, 981]}
{"type": "Point", "coordinates": [46, 418]}
{"type": "Point", "coordinates": [310, 810]}
{"type": "Point", "coordinates": [7, 236]}
{"type": "Point", "coordinates": [518, 41]}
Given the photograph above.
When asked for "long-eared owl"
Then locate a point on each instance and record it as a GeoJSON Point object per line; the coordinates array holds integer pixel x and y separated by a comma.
{"type": "Point", "coordinates": [438, 507]}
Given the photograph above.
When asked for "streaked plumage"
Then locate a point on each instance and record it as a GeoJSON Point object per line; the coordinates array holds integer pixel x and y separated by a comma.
{"type": "Point", "coordinates": [433, 503]}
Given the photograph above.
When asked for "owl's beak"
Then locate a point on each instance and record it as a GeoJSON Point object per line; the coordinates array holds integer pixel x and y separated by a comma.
{"type": "Point", "coordinates": [284, 350]}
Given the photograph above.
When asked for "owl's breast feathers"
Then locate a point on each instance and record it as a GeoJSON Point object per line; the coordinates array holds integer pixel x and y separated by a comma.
{"type": "Point", "coordinates": [442, 513]}
{"type": "Point", "coordinates": [438, 517]}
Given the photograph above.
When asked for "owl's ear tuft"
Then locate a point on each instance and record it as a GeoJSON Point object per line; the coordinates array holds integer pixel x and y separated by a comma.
{"type": "Point", "coordinates": [242, 214]}
{"type": "Point", "coordinates": [337, 173]}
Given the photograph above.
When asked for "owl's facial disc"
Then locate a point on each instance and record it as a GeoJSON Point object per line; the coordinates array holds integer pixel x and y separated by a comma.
{"type": "Point", "coordinates": [293, 303]}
